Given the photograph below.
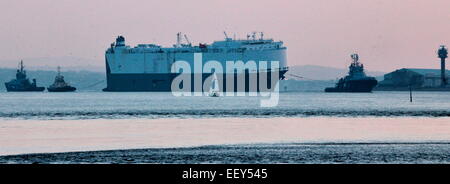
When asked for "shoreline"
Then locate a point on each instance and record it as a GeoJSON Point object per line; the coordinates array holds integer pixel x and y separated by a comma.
{"type": "Point", "coordinates": [215, 114]}
{"type": "Point", "coordinates": [52, 136]}
{"type": "Point", "coordinates": [294, 153]}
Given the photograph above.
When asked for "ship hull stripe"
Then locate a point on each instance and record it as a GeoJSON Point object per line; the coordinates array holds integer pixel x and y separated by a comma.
{"type": "Point", "coordinates": [161, 82]}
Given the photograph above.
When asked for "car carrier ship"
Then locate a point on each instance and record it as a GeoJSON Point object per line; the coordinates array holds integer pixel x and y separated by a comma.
{"type": "Point", "coordinates": [148, 67]}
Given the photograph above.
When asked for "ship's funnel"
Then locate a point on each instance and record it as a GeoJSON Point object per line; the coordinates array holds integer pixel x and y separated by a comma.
{"type": "Point", "coordinates": [120, 41]}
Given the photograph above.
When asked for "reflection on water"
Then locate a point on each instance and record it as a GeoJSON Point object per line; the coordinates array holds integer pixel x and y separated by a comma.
{"type": "Point", "coordinates": [36, 136]}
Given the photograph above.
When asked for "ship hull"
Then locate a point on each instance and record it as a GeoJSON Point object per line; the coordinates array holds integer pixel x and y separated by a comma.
{"type": "Point", "coordinates": [63, 89]}
{"type": "Point", "coordinates": [11, 88]}
{"type": "Point", "coordinates": [358, 86]}
{"type": "Point", "coordinates": [160, 82]}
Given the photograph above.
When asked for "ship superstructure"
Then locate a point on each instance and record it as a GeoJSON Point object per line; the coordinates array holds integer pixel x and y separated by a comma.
{"type": "Point", "coordinates": [148, 67]}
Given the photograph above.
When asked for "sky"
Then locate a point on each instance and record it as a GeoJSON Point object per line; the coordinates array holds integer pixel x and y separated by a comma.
{"type": "Point", "coordinates": [387, 34]}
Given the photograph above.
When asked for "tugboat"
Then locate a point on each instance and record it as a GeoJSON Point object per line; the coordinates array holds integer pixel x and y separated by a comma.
{"type": "Point", "coordinates": [60, 85]}
{"type": "Point", "coordinates": [356, 80]}
{"type": "Point", "coordinates": [22, 83]}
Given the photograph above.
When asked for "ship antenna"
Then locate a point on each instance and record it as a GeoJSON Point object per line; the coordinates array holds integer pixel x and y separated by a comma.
{"type": "Point", "coordinates": [355, 58]}
{"type": "Point", "coordinates": [21, 66]}
{"type": "Point", "coordinates": [187, 40]}
{"type": "Point", "coordinates": [59, 71]}
{"type": "Point", "coordinates": [226, 36]}
{"type": "Point", "coordinates": [178, 39]}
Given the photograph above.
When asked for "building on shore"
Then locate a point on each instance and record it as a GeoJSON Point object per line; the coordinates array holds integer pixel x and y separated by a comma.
{"type": "Point", "coordinates": [403, 78]}
{"type": "Point", "coordinates": [418, 79]}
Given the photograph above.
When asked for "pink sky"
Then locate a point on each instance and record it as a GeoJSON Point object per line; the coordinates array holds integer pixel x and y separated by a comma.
{"type": "Point", "coordinates": [388, 34]}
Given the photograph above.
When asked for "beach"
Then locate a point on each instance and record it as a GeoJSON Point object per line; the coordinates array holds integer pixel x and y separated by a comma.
{"type": "Point", "coordinates": [326, 153]}
{"type": "Point", "coordinates": [228, 140]}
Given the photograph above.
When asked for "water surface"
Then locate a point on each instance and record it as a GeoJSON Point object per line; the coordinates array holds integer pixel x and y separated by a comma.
{"type": "Point", "coordinates": [94, 105]}
{"type": "Point", "coordinates": [90, 121]}
{"type": "Point", "coordinates": [44, 136]}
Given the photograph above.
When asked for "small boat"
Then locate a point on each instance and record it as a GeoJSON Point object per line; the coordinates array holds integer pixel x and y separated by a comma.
{"type": "Point", "coordinates": [214, 90]}
{"type": "Point", "coordinates": [60, 85]}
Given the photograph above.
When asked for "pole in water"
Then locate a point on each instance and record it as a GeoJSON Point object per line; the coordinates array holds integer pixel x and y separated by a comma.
{"type": "Point", "coordinates": [410, 93]}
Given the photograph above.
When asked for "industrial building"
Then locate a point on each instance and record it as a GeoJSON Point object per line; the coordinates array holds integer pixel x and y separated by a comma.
{"type": "Point", "coordinates": [417, 78]}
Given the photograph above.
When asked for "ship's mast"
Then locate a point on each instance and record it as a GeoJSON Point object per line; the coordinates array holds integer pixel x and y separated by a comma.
{"type": "Point", "coordinates": [187, 40]}
{"type": "Point", "coordinates": [227, 38]}
{"type": "Point", "coordinates": [21, 66]}
{"type": "Point", "coordinates": [59, 71]}
{"type": "Point", "coordinates": [356, 68]}
{"type": "Point", "coordinates": [355, 58]}
{"type": "Point", "coordinates": [178, 40]}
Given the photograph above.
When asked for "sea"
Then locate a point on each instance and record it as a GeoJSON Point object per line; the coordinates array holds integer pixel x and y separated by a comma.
{"type": "Point", "coordinates": [152, 123]}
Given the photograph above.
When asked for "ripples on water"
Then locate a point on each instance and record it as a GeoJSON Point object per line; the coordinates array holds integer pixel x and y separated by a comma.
{"type": "Point", "coordinates": [95, 105]}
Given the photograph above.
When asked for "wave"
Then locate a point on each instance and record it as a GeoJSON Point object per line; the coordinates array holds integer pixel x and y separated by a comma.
{"type": "Point", "coordinates": [217, 113]}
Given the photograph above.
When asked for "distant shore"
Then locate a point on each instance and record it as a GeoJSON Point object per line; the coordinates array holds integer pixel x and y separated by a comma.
{"type": "Point", "coordinates": [413, 89]}
{"type": "Point", "coordinates": [353, 153]}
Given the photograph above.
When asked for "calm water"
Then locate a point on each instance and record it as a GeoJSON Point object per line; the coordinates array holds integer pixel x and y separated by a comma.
{"type": "Point", "coordinates": [94, 105]}
{"type": "Point", "coordinates": [83, 121]}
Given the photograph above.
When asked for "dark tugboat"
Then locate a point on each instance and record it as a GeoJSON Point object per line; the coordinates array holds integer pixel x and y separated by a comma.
{"type": "Point", "coordinates": [22, 83]}
{"type": "Point", "coordinates": [356, 80]}
{"type": "Point", "coordinates": [60, 85]}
